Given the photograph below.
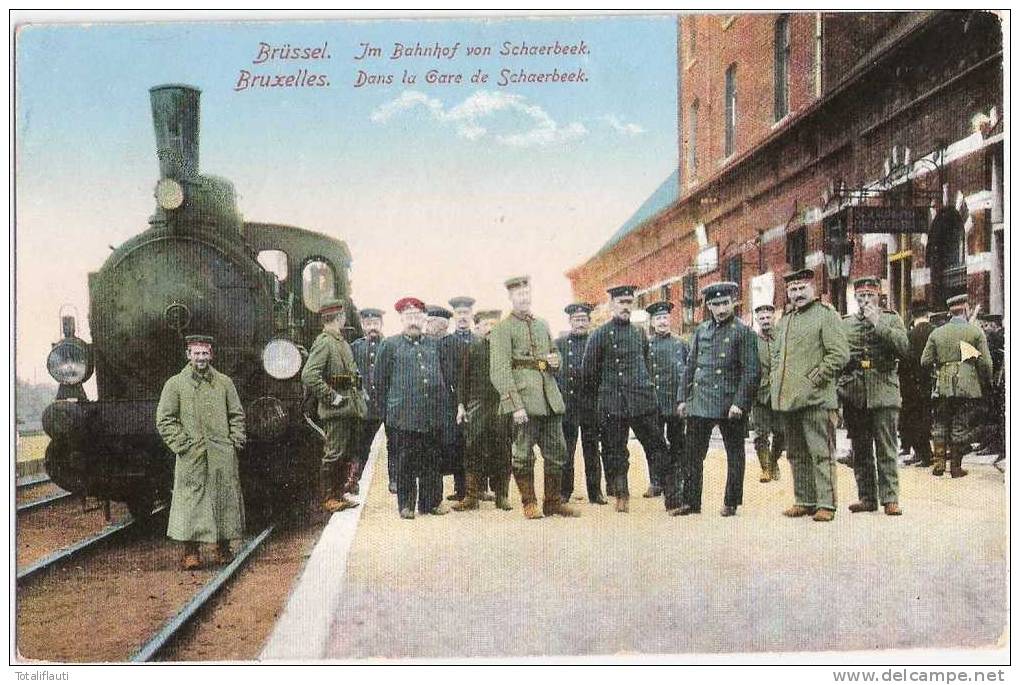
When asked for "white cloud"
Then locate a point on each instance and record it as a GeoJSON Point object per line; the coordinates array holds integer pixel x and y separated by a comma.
{"type": "Point", "coordinates": [629, 129]}
{"type": "Point", "coordinates": [467, 116]}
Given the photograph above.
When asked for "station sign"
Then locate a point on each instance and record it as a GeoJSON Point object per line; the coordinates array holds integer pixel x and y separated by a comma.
{"type": "Point", "coordinates": [865, 219]}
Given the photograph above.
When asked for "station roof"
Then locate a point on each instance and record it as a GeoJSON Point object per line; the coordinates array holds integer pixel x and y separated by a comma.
{"type": "Point", "coordinates": [665, 195]}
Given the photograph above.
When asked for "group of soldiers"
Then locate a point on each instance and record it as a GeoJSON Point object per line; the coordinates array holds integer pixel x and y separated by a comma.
{"type": "Point", "coordinates": [476, 402]}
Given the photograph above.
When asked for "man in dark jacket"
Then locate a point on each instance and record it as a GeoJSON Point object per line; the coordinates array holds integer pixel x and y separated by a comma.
{"type": "Point", "coordinates": [667, 361]}
{"type": "Point", "coordinates": [365, 350]}
{"type": "Point", "coordinates": [915, 392]}
{"type": "Point", "coordinates": [580, 414]}
{"type": "Point", "coordinates": [765, 422]}
{"type": "Point", "coordinates": [719, 383]}
{"type": "Point", "coordinates": [615, 368]}
{"type": "Point", "coordinates": [449, 348]}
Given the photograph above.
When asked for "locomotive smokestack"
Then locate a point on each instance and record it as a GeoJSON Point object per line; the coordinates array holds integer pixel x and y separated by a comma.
{"type": "Point", "coordinates": [175, 116]}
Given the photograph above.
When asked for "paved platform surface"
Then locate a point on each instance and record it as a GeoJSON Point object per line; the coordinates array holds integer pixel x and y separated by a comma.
{"type": "Point", "coordinates": [492, 584]}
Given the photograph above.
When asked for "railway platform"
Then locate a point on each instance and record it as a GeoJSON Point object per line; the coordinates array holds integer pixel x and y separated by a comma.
{"type": "Point", "coordinates": [490, 584]}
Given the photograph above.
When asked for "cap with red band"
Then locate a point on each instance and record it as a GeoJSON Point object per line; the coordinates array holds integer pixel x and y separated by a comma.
{"type": "Point", "coordinates": [408, 302]}
{"type": "Point", "coordinates": [205, 341]}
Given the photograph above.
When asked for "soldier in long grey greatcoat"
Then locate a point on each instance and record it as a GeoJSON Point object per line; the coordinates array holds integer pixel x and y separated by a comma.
{"type": "Point", "coordinates": [201, 420]}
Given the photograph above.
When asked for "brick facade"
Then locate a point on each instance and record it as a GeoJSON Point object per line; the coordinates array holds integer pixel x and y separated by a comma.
{"type": "Point", "coordinates": [924, 81]}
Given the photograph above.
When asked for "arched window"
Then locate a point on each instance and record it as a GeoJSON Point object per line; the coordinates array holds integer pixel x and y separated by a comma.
{"type": "Point", "coordinates": [318, 284]}
{"type": "Point", "coordinates": [946, 255]}
{"type": "Point", "coordinates": [731, 109]}
{"type": "Point", "coordinates": [782, 66]}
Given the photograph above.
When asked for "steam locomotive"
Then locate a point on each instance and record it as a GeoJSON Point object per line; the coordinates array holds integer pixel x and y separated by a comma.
{"type": "Point", "coordinates": [198, 268]}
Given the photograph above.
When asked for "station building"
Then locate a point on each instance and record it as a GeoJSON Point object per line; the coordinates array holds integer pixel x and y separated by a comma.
{"type": "Point", "coordinates": [851, 143]}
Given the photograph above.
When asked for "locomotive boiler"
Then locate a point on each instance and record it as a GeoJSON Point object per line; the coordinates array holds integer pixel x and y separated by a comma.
{"type": "Point", "coordinates": [198, 268]}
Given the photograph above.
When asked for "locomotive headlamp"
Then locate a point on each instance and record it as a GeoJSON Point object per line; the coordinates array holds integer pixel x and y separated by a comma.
{"type": "Point", "coordinates": [68, 362]}
{"type": "Point", "coordinates": [169, 193]}
{"type": "Point", "coordinates": [281, 359]}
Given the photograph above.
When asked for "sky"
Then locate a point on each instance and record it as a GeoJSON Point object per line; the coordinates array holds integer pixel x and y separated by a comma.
{"type": "Point", "coordinates": [439, 189]}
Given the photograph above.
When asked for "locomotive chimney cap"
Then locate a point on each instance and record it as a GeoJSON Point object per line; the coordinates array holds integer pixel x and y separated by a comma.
{"type": "Point", "coordinates": [174, 86]}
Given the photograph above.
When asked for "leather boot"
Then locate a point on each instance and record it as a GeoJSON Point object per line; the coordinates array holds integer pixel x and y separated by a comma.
{"type": "Point", "coordinates": [352, 472]}
{"type": "Point", "coordinates": [191, 559]}
{"type": "Point", "coordinates": [939, 459]}
{"type": "Point", "coordinates": [501, 488]}
{"type": "Point", "coordinates": [764, 458]}
{"type": "Point", "coordinates": [553, 504]}
{"type": "Point", "coordinates": [526, 484]}
{"type": "Point", "coordinates": [622, 494]}
{"type": "Point", "coordinates": [472, 486]}
{"type": "Point", "coordinates": [955, 467]}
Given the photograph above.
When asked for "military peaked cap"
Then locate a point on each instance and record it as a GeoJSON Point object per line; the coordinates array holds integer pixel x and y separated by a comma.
{"type": "Point", "coordinates": [371, 313]}
{"type": "Point", "coordinates": [936, 318]}
{"type": "Point", "coordinates": [866, 283]}
{"type": "Point", "coordinates": [462, 301]}
{"type": "Point", "coordinates": [956, 300]}
{"type": "Point", "coordinates": [517, 282]}
{"type": "Point", "coordinates": [331, 306]}
{"type": "Point", "coordinates": [622, 291]}
{"type": "Point", "coordinates": [719, 289]}
{"type": "Point", "coordinates": [488, 314]}
{"type": "Point", "coordinates": [802, 275]}
{"type": "Point", "coordinates": [765, 305]}
{"type": "Point", "coordinates": [408, 302]}
{"type": "Point", "coordinates": [659, 308]}
{"type": "Point", "coordinates": [576, 307]}
{"type": "Point", "coordinates": [203, 340]}
{"type": "Point", "coordinates": [436, 310]}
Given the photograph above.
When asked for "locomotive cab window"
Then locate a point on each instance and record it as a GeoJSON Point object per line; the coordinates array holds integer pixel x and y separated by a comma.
{"type": "Point", "coordinates": [275, 262]}
{"type": "Point", "coordinates": [318, 284]}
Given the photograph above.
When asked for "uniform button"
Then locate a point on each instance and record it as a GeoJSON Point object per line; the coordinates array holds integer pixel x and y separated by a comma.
{"type": "Point", "coordinates": [718, 370]}
{"type": "Point", "coordinates": [726, 339]}
{"type": "Point", "coordinates": [570, 352]}
{"type": "Point", "coordinates": [722, 354]}
{"type": "Point", "coordinates": [617, 360]}
{"type": "Point", "coordinates": [425, 381]}
{"type": "Point", "coordinates": [620, 374]}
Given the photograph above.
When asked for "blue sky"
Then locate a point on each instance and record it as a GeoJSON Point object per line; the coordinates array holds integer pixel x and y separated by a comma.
{"type": "Point", "coordinates": [437, 189]}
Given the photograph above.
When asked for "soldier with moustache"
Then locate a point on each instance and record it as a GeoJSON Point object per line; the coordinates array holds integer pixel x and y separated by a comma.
{"type": "Point", "coordinates": [487, 433]}
{"type": "Point", "coordinates": [523, 360]}
{"type": "Point", "coordinates": [408, 389]}
{"type": "Point", "coordinates": [957, 352]}
{"type": "Point", "coordinates": [767, 425]}
{"type": "Point", "coordinates": [365, 350]}
{"type": "Point", "coordinates": [580, 413]}
{"type": "Point", "coordinates": [615, 369]}
{"type": "Point", "coordinates": [667, 363]}
{"type": "Point", "coordinates": [869, 390]}
{"type": "Point", "coordinates": [810, 352]}
{"type": "Point", "coordinates": [331, 375]}
{"type": "Point", "coordinates": [719, 384]}
{"type": "Point", "coordinates": [448, 347]}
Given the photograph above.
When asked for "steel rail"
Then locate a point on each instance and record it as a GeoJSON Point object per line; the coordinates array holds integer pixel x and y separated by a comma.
{"type": "Point", "coordinates": [29, 481]}
{"type": "Point", "coordinates": [43, 501]}
{"type": "Point", "coordinates": [173, 627]}
{"type": "Point", "coordinates": [71, 551]}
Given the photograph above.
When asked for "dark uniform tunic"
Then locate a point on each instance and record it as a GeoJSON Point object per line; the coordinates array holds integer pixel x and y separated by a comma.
{"type": "Point", "coordinates": [667, 361]}
{"type": "Point", "coordinates": [487, 432]}
{"type": "Point", "coordinates": [365, 351]}
{"type": "Point", "coordinates": [995, 421]}
{"type": "Point", "coordinates": [722, 371]}
{"type": "Point", "coordinates": [766, 422]}
{"type": "Point", "coordinates": [869, 389]}
{"type": "Point", "coordinates": [915, 393]}
{"type": "Point", "coordinates": [615, 368]}
{"type": "Point", "coordinates": [451, 349]}
{"type": "Point", "coordinates": [579, 417]}
{"type": "Point", "coordinates": [408, 386]}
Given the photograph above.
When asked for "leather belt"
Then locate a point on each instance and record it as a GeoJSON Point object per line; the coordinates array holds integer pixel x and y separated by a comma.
{"type": "Point", "coordinates": [537, 364]}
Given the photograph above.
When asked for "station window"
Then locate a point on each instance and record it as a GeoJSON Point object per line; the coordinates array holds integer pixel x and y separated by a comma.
{"type": "Point", "coordinates": [734, 272]}
{"type": "Point", "coordinates": [275, 262]}
{"type": "Point", "coordinates": [796, 248]}
{"type": "Point", "coordinates": [690, 297]}
{"type": "Point", "coordinates": [692, 141]}
{"type": "Point", "coordinates": [318, 284]}
{"type": "Point", "coordinates": [731, 110]}
{"type": "Point", "coordinates": [782, 62]}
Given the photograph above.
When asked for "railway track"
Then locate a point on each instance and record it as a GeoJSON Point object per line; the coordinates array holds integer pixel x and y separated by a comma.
{"type": "Point", "coordinates": [43, 501]}
{"type": "Point", "coordinates": [29, 481]}
{"type": "Point", "coordinates": [110, 532]}
{"type": "Point", "coordinates": [172, 628]}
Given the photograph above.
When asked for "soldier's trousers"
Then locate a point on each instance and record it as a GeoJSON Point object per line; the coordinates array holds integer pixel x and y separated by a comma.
{"type": "Point", "coordinates": [487, 451]}
{"type": "Point", "coordinates": [767, 423]}
{"type": "Point", "coordinates": [671, 472]}
{"type": "Point", "coordinates": [699, 431]}
{"type": "Point", "coordinates": [810, 442]}
{"type": "Point", "coordinates": [339, 455]}
{"type": "Point", "coordinates": [418, 477]}
{"type": "Point", "coordinates": [366, 435]}
{"type": "Point", "coordinates": [915, 419]}
{"type": "Point", "coordinates": [547, 433]}
{"type": "Point", "coordinates": [590, 451]}
{"type": "Point", "coordinates": [615, 433]}
{"type": "Point", "coordinates": [873, 437]}
{"type": "Point", "coordinates": [955, 423]}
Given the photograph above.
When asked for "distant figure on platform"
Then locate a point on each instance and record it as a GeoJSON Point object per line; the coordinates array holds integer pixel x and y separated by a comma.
{"type": "Point", "coordinates": [915, 392]}
{"type": "Point", "coordinates": [487, 433]}
{"type": "Point", "coordinates": [523, 361]}
{"type": "Point", "coordinates": [767, 424]}
{"type": "Point", "coordinates": [331, 375]}
{"type": "Point", "coordinates": [810, 352]}
{"type": "Point", "coordinates": [615, 369]}
{"type": "Point", "coordinates": [407, 382]}
{"type": "Point", "coordinates": [580, 414]}
{"type": "Point", "coordinates": [958, 353]}
{"type": "Point", "coordinates": [667, 363]}
{"type": "Point", "coordinates": [463, 318]}
{"type": "Point", "coordinates": [869, 391]}
{"type": "Point", "coordinates": [201, 420]}
{"type": "Point", "coordinates": [365, 350]}
{"type": "Point", "coordinates": [994, 439]}
{"type": "Point", "coordinates": [448, 347]}
{"type": "Point", "coordinates": [717, 389]}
